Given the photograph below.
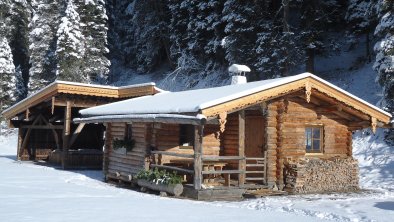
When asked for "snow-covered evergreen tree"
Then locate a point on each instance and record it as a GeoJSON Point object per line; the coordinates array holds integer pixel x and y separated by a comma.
{"type": "Point", "coordinates": [7, 71]}
{"type": "Point", "coordinates": [149, 20]}
{"type": "Point", "coordinates": [240, 30]}
{"type": "Point", "coordinates": [42, 43]}
{"type": "Point", "coordinates": [94, 28]}
{"type": "Point", "coordinates": [384, 48]}
{"type": "Point", "coordinates": [362, 19]}
{"type": "Point", "coordinates": [199, 49]}
{"type": "Point", "coordinates": [19, 36]}
{"type": "Point", "coordinates": [70, 47]}
{"type": "Point", "coordinates": [317, 18]}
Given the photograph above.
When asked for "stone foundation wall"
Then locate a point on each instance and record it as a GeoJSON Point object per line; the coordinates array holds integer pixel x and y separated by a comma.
{"type": "Point", "coordinates": [321, 175]}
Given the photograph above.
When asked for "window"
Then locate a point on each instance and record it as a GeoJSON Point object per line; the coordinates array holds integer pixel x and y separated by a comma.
{"type": "Point", "coordinates": [314, 139]}
{"type": "Point", "coordinates": [186, 135]}
{"type": "Point", "coordinates": [128, 132]}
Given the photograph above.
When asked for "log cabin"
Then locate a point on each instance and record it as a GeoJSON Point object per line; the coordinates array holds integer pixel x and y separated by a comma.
{"type": "Point", "coordinates": [45, 127]}
{"type": "Point", "coordinates": [291, 133]}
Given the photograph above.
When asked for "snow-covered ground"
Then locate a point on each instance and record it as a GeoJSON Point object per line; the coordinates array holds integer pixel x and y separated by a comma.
{"type": "Point", "coordinates": [30, 192]}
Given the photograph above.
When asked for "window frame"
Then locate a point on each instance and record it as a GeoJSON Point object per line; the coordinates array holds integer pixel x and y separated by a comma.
{"type": "Point", "coordinates": [321, 139]}
{"type": "Point", "coordinates": [128, 132]}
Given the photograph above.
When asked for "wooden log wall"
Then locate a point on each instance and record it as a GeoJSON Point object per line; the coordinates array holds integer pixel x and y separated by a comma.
{"type": "Point", "coordinates": [166, 137]}
{"type": "Point", "coordinates": [286, 122]}
{"type": "Point", "coordinates": [271, 144]}
{"type": "Point", "coordinates": [230, 136]}
{"type": "Point", "coordinates": [130, 163]}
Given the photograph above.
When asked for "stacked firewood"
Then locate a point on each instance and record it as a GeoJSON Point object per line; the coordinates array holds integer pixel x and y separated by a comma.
{"type": "Point", "coordinates": [321, 175]}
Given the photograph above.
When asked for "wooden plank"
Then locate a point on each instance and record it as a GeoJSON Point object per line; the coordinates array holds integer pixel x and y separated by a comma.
{"type": "Point", "coordinates": [20, 140]}
{"type": "Point", "coordinates": [173, 154]}
{"type": "Point", "coordinates": [223, 171]}
{"type": "Point", "coordinates": [255, 165]}
{"type": "Point", "coordinates": [198, 140]}
{"type": "Point", "coordinates": [27, 136]}
{"type": "Point", "coordinates": [241, 146]}
{"type": "Point", "coordinates": [53, 127]}
{"type": "Point", "coordinates": [66, 134]}
{"type": "Point", "coordinates": [217, 158]}
{"type": "Point", "coordinates": [76, 133]}
{"type": "Point", "coordinates": [172, 168]}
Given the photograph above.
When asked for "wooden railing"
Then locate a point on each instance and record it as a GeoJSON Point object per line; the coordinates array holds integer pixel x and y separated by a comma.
{"type": "Point", "coordinates": [255, 162]}
{"type": "Point", "coordinates": [157, 155]}
{"type": "Point", "coordinates": [261, 165]}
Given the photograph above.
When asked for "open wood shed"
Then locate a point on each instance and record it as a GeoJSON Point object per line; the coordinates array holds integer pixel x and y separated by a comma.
{"type": "Point", "coordinates": [46, 129]}
{"type": "Point", "coordinates": [294, 133]}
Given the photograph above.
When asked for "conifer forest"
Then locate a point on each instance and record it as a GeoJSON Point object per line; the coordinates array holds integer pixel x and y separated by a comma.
{"type": "Point", "coordinates": [87, 40]}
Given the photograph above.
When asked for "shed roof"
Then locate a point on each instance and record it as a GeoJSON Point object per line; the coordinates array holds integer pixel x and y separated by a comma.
{"type": "Point", "coordinates": [200, 100]}
{"type": "Point", "coordinates": [74, 88]}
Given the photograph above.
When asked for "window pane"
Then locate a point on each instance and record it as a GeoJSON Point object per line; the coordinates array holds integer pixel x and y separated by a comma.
{"type": "Point", "coordinates": [316, 133]}
{"type": "Point", "coordinates": [308, 139]}
{"type": "Point", "coordinates": [316, 145]}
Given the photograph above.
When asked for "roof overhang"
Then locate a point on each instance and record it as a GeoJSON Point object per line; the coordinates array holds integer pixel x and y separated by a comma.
{"type": "Point", "coordinates": [73, 88]}
{"type": "Point", "coordinates": [146, 118]}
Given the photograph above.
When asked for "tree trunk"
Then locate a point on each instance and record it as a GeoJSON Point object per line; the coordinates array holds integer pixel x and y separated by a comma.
{"type": "Point", "coordinates": [285, 5]}
{"type": "Point", "coordinates": [310, 60]}
{"type": "Point", "coordinates": [367, 46]}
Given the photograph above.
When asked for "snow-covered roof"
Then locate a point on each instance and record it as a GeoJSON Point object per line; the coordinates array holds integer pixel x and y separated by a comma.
{"type": "Point", "coordinates": [71, 88]}
{"type": "Point", "coordinates": [192, 101]}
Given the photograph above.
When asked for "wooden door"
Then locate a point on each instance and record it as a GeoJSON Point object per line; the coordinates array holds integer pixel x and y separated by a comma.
{"type": "Point", "coordinates": [254, 136]}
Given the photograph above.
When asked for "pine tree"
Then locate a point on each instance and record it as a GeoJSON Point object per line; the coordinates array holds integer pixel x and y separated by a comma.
{"type": "Point", "coordinates": [384, 48]}
{"type": "Point", "coordinates": [42, 43]}
{"type": "Point", "coordinates": [318, 17]}
{"type": "Point", "coordinates": [7, 71]}
{"type": "Point", "coordinates": [362, 19]}
{"type": "Point", "coordinates": [276, 49]}
{"type": "Point", "coordinates": [240, 30]}
{"type": "Point", "coordinates": [93, 20]}
{"type": "Point", "coordinates": [70, 47]}
{"type": "Point", "coordinates": [196, 36]}
{"type": "Point", "coordinates": [149, 29]}
{"type": "Point", "coordinates": [19, 36]}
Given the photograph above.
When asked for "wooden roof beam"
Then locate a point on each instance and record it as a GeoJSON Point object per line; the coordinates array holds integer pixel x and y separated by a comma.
{"type": "Point", "coordinates": [344, 107]}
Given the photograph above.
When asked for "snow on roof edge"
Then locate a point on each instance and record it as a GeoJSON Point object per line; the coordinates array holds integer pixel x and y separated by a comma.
{"type": "Point", "coordinates": [254, 90]}
{"type": "Point", "coordinates": [284, 81]}
{"type": "Point", "coordinates": [104, 86]}
{"type": "Point", "coordinates": [140, 116]}
{"type": "Point", "coordinates": [81, 84]}
{"type": "Point", "coordinates": [349, 94]}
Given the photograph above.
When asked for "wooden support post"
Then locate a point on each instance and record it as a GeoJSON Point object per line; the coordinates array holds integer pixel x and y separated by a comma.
{"type": "Point", "coordinates": [107, 148]}
{"type": "Point", "coordinates": [198, 135]}
{"type": "Point", "coordinates": [53, 105]}
{"type": "Point", "coordinates": [27, 136]}
{"type": "Point", "coordinates": [241, 147]}
{"type": "Point", "coordinates": [66, 134]}
{"type": "Point", "coordinates": [20, 141]}
{"type": "Point", "coordinates": [76, 133]}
